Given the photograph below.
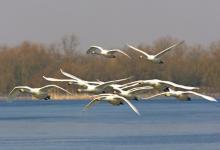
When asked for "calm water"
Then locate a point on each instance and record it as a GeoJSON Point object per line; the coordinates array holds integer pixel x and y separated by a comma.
{"type": "Point", "coordinates": [61, 125]}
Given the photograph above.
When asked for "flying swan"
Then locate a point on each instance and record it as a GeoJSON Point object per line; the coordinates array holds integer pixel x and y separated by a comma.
{"type": "Point", "coordinates": [104, 52]}
{"type": "Point", "coordinates": [113, 99]}
{"type": "Point", "coordinates": [39, 93]}
{"type": "Point", "coordinates": [92, 88]}
{"type": "Point", "coordinates": [161, 84]}
{"type": "Point", "coordinates": [155, 58]}
{"type": "Point", "coordinates": [182, 95]}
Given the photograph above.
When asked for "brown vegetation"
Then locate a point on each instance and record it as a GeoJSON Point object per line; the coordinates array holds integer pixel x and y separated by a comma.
{"type": "Point", "coordinates": [25, 64]}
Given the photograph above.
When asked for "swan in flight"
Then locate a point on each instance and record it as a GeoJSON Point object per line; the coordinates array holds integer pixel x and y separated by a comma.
{"type": "Point", "coordinates": [73, 80]}
{"type": "Point", "coordinates": [182, 95]}
{"type": "Point", "coordinates": [104, 52]}
{"type": "Point", "coordinates": [155, 58]}
{"type": "Point", "coordinates": [113, 87]}
{"type": "Point", "coordinates": [92, 87]}
{"type": "Point", "coordinates": [130, 94]}
{"type": "Point", "coordinates": [160, 84]}
{"type": "Point", "coordinates": [113, 99]}
{"type": "Point", "coordinates": [39, 93]}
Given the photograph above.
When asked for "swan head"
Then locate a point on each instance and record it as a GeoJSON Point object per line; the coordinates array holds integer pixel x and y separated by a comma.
{"type": "Point", "coordinates": [47, 98]}
{"type": "Point", "coordinates": [161, 62]}
{"type": "Point", "coordinates": [168, 94]}
{"type": "Point", "coordinates": [114, 92]}
{"type": "Point", "coordinates": [141, 82]}
{"type": "Point", "coordinates": [21, 90]}
{"type": "Point", "coordinates": [79, 90]}
{"type": "Point", "coordinates": [188, 99]}
{"type": "Point", "coordinates": [166, 89]}
{"type": "Point", "coordinates": [70, 83]}
{"type": "Point", "coordinates": [136, 98]}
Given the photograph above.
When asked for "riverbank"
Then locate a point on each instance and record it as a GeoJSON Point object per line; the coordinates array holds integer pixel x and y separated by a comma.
{"type": "Point", "coordinates": [55, 96]}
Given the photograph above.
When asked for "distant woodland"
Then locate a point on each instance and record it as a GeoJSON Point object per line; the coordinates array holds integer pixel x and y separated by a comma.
{"type": "Point", "coordinates": [25, 64]}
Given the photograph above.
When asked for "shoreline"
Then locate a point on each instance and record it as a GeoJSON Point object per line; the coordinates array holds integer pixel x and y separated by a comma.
{"type": "Point", "coordinates": [53, 97]}
{"type": "Point", "coordinates": [57, 97]}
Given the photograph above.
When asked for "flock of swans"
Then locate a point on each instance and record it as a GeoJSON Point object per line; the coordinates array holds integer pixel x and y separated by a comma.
{"type": "Point", "coordinates": [113, 91]}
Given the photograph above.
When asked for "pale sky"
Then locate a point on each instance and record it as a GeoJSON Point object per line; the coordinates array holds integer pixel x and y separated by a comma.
{"type": "Point", "coordinates": [109, 23]}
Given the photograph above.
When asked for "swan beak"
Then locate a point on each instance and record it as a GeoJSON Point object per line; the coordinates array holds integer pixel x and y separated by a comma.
{"type": "Point", "coordinates": [21, 90]}
{"type": "Point", "coordinates": [78, 90]}
{"type": "Point", "coordinates": [69, 83]}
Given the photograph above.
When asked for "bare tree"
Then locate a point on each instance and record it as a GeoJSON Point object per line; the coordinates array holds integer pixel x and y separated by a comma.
{"type": "Point", "coordinates": [69, 44]}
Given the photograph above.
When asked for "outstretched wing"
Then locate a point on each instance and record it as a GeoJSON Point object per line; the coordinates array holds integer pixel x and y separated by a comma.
{"type": "Point", "coordinates": [156, 95]}
{"type": "Point", "coordinates": [209, 98]}
{"type": "Point", "coordinates": [130, 104]}
{"type": "Point", "coordinates": [138, 50]}
{"type": "Point", "coordinates": [130, 84]}
{"type": "Point", "coordinates": [102, 95]}
{"type": "Point", "coordinates": [90, 104]}
{"type": "Point", "coordinates": [178, 85]}
{"type": "Point", "coordinates": [70, 75]}
{"type": "Point", "coordinates": [105, 84]}
{"type": "Point", "coordinates": [119, 51]}
{"type": "Point", "coordinates": [167, 49]}
{"type": "Point", "coordinates": [140, 88]}
{"type": "Point", "coordinates": [94, 49]}
{"type": "Point", "coordinates": [59, 80]}
{"type": "Point", "coordinates": [16, 91]}
{"type": "Point", "coordinates": [48, 87]}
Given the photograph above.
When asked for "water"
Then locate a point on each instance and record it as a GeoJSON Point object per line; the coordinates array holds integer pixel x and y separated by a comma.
{"type": "Point", "coordinates": [163, 125]}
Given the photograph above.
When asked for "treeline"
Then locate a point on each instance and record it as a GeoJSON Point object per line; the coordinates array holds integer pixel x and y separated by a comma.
{"type": "Point", "coordinates": [25, 64]}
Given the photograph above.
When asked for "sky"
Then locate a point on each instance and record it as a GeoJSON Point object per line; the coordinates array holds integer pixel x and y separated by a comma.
{"type": "Point", "coordinates": [109, 23]}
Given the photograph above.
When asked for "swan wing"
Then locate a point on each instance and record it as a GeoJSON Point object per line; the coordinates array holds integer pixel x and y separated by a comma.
{"type": "Point", "coordinates": [156, 95]}
{"type": "Point", "coordinates": [99, 96]}
{"type": "Point", "coordinates": [138, 50]}
{"type": "Point", "coordinates": [48, 87]}
{"type": "Point", "coordinates": [209, 98]}
{"type": "Point", "coordinates": [119, 51]}
{"type": "Point", "coordinates": [61, 80]}
{"type": "Point", "coordinates": [105, 84]}
{"type": "Point", "coordinates": [167, 49]}
{"type": "Point", "coordinates": [93, 83]}
{"type": "Point", "coordinates": [70, 75]}
{"type": "Point", "coordinates": [130, 104]}
{"type": "Point", "coordinates": [140, 89]}
{"type": "Point", "coordinates": [16, 91]}
{"type": "Point", "coordinates": [90, 104]}
{"type": "Point", "coordinates": [130, 84]}
{"type": "Point", "coordinates": [178, 85]}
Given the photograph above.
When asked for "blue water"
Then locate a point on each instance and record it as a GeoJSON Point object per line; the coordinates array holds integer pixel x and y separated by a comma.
{"type": "Point", "coordinates": [61, 125]}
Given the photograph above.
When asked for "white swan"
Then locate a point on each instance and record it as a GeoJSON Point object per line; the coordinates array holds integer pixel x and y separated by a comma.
{"type": "Point", "coordinates": [126, 85]}
{"type": "Point", "coordinates": [104, 52]}
{"type": "Point", "coordinates": [182, 95]}
{"type": "Point", "coordinates": [39, 93]}
{"type": "Point", "coordinates": [73, 80]}
{"type": "Point", "coordinates": [130, 94]}
{"type": "Point", "coordinates": [90, 87]}
{"type": "Point", "coordinates": [161, 84]}
{"type": "Point", "coordinates": [113, 99]}
{"type": "Point", "coordinates": [117, 87]}
{"type": "Point", "coordinates": [154, 58]}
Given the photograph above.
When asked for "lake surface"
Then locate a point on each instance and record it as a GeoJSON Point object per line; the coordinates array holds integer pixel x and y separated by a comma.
{"type": "Point", "coordinates": [61, 125]}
